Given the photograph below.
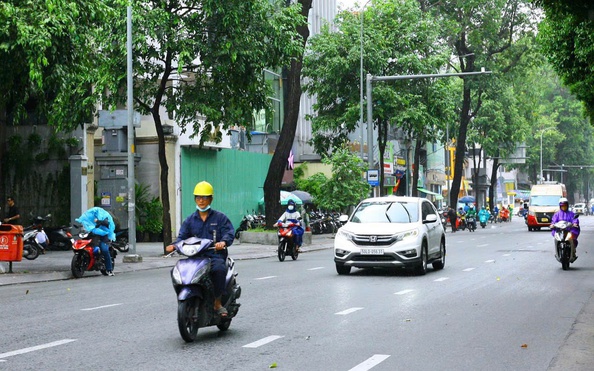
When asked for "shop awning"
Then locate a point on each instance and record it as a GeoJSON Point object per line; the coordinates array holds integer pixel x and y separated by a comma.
{"type": "Point", "coordinates": [437, 195]}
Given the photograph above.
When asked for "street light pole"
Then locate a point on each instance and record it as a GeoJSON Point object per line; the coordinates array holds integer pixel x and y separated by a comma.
{"type": "Point", "coordinates": [540, 180]}
{"type": "Point", "coordinates": [361, 82]}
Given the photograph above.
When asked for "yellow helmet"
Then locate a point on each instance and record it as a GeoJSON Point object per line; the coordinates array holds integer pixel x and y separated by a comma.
{"type": "Point", "coordinates": [203, 189]}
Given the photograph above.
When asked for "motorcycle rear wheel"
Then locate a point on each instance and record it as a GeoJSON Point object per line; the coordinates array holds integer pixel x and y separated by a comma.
{"type": "Point", "coordinates": [33, 251]}
{"type": "Point", "coordinates": [78, 265]}
{"type": "Point", "coordinates": [295, 253]}
{"type": "Point", "coordinates": [187, 320]}
{"type": "Point", "coordinates": [281, 251]}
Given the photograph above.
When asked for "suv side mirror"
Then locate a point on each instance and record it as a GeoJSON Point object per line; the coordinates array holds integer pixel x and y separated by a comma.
{"type": "Point", "coordinates": [343, 219]}
{"type": "Point", "coordinates": [430, 218]}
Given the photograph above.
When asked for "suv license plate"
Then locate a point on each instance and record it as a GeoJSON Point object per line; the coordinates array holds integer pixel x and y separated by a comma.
{"type": "Point", "coordinates": [372, 251]}
{"type": "Point", "coordinates": [544, 220]}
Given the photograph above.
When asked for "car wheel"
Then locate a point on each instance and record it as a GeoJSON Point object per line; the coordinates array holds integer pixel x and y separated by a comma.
{"type": "Point", "coordinates": [422, 267]}
{"type": "Point", "coordinates": [342, 269]}
{"type": "Point", "coordinates": [439, 264]}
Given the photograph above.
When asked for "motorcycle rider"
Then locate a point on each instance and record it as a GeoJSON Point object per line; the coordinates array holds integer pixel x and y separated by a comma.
{"type": "Point", "coordinates": [565, 214]}
{"type": "Point", "coordinates": [100, 223]}
{"type": "Point", "coordinates": [484, 214]}
{"type": "Point", "coordinates": [213, 225]}
{"type": "Point", "coordinates": [471, 213]}
{"type": "Point", "coordinates": [291, 215]}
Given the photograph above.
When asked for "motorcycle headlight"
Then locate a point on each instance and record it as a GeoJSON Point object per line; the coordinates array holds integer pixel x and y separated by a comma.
{"type": "Point", "coordinates": [189, 250]}
{"type": "Point", "coordinates": [176, 276]}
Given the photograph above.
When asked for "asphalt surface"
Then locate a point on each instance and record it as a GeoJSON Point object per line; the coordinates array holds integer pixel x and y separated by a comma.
{"type": "Point", "coordinates": [577, 353]}
{"type": "Point", "coordinates": [55, 265]}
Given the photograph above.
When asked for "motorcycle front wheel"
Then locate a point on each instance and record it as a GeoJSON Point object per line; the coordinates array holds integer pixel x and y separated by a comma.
{"type": "Point", "coordinates": [79, 263]}
{"type": "Point", "coordinates": [281, 251]}
{"type": "Point", "coordinates": [187, 320]}
{"type": "Point", "coordinates": [33, 252]}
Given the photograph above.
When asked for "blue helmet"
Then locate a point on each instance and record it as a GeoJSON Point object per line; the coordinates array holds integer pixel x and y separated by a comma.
{"type": "Point", "coordinates": [291, 202]}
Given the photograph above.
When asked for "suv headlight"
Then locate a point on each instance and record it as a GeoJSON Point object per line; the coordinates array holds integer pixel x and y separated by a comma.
{"type": "Point", "coordinates": [406, 235]}
{"type": "Point", "coordinates": [344, 235]}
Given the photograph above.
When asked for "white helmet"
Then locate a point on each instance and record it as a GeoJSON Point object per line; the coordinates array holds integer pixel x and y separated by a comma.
{"type": "Point", "coordinates": [563, 200]}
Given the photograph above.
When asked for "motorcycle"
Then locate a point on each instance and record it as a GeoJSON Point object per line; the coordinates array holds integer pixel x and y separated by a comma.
{"type": "Point", "coordinates": [60, 238]}
{"type": "Point", "coordinates": [471, 223]}
{"type": "Point", "coordinates": [483, 219]}
{"type": "Point", "coordinates": [563, 245]}
{"type": "Point", "coordinates": [194, 289]}
{"type": "Point", "coordinates": [286, 242]}
{"type": "Point", "coordinates": [32, 243]}
{"type": "Point", "coordinates": [88, 256]}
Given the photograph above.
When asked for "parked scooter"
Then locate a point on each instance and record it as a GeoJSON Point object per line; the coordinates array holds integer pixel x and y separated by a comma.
{"type": "Point", "coordinates": [88, 256]}
{"type": "Point", "coordinates": [563, 245]}
{"type": "Point", "coordinates": [195, 293]}
{"type": "Point", "coordinates": [33, 245]}
{"type": "Point", "coordinates": [60, 238]}
{"type": "Point", "coordinates": [286, 242]}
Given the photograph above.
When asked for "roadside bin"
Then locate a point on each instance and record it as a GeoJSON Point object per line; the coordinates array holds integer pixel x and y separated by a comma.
{"type": "Point", "coordinates": [11, 243]}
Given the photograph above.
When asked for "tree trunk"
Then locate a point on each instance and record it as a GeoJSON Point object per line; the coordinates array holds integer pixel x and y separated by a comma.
{"type": "Point", "coordinates": [287, 135]}
{"type": "Point", "coordinates": [416, 162]}
{"type": "Point", "coordinates": [493, 187]}
{"type": "Point", "coordinates": [461, 144]}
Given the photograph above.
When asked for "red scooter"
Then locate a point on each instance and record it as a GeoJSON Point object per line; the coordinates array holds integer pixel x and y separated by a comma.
{"type": "Point", "coordinates": [88, 256]}
{"type": "Point", "coordinates": [286, 242]}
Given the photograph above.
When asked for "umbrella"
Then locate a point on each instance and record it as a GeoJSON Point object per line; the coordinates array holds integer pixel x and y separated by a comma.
{"type": "Point", "coordinates": [284, 198]}
{"type": "Point", "coordinates": [303, 196]}
{"type": "Point", "coordinates": [467, 199]}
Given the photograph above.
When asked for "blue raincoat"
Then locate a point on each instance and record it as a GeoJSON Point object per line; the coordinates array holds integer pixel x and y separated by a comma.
{"type": "Point", "coordinates": [89, 221]}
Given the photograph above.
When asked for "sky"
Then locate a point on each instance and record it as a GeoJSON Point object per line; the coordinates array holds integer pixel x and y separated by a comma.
{"type": "Point", "coordinates": [347, 3]}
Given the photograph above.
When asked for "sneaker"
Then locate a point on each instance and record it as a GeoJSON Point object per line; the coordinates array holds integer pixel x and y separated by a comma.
{"type": "Point", "coordinates": [110, 273]}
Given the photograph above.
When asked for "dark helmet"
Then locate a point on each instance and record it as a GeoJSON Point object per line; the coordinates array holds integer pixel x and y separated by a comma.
{"type": "Point", "coordinates": [291, 202]}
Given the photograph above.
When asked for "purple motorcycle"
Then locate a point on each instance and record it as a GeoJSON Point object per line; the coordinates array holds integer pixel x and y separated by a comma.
{"type": "Point", "coordinates": [195, 294]}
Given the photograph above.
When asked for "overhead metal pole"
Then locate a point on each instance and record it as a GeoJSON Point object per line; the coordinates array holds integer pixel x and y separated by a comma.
{"type": "Point", "coordinates": [361, 83]}
{"type": "Point", "coordinates": [130, 104]}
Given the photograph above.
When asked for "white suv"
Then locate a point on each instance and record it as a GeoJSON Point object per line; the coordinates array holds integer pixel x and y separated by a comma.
{"type": "Point", "coordinates": [391, 232]}
{"type": "Point", "coordinates": [580, 208]}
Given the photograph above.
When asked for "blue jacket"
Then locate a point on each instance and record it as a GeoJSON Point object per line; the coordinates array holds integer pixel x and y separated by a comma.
{"type": "Point", "coordinates": [193, 226]}
{"type": "Point", "coordinates": [89, 221]}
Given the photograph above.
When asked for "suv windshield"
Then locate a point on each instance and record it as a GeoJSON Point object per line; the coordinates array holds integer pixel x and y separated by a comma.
{"type": "Point", "coordinates": [544, 200]}
{"type": "Point", "coordinates": [386, 212]}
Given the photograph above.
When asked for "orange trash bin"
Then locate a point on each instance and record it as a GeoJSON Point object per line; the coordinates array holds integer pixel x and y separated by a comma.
{"type": "Point", "coordinates": [11, 243]}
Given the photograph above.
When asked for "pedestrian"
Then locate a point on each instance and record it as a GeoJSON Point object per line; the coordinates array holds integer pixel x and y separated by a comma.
{"type": "Point", "coordinates": [12, 216]}
{"type": "Point", "coordinates": [453, 217]}
{"type": "Point", "coordinates": [209, 224]}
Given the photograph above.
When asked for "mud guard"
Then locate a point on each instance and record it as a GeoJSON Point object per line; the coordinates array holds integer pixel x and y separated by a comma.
{"type": "Point", "coordinates": [189, 291]}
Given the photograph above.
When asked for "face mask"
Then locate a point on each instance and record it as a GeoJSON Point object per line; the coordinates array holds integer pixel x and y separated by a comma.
{"type": "Point", "coordinates": [203, 210]}
{"type": "Point", "coordinates": [291, 208]}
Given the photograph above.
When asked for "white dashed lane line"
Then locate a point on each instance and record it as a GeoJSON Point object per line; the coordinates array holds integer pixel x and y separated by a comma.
{"type": "Point", "coordinates": [468, 269]}
{"type": "Point", "coordinates": [315, 269]}
{"type": "Point", "coordinates": [348, 311]}
{"type": "Point", "coordinates": [37, 347]}
{"type": "Point", "coordinates": [441, 279]}
{"type": "Point", "coordinates": [483, 245]}
{"type": "Point", "coordinates": [263, 341]}
{"type": "Point", "coordinates": [103, 306]}
{"type": "Point", "coordinates": [265, 278]}
{"type": "Point", "coordinates": [370, 362]}
{"type": "Point", "coordinates": [403, 292]}
{"type": "Point", "coordinates": [490, 261]}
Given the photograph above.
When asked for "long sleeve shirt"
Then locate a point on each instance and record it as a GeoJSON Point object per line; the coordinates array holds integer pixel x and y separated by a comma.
{"type": "Point", "coordinates": [216, 221]}
{"type": "Point", "coordinates": [568, 216]}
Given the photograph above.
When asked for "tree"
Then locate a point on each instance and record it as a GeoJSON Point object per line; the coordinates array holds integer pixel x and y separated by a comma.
{"type": "Point", "coordinates": [200, 61]}
{"type": "Point", "coordinates": [346, 186]}
{"type": "Point", "coordinates": [478, 31]}
{"type": "Point", "coordinates": [567, 37]}
{"type": "Point", "coordinates": [287, 135]}
{"type": "Point", "coordinates": [49, 54]}
{"type": "Point", "coordinates": [399, 39]}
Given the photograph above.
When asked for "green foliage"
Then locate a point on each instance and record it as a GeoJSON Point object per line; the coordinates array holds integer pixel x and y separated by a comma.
{"type": "Point", "coordinates": [154, 216]}
{"type": "Point", "coordinates": [347, 186]}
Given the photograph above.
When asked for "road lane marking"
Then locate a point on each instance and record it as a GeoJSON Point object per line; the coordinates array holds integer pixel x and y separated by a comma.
{"type": "Point", "coordinates": [103, 306]}
{"type": "Point", "coordinates": [468, 269]}
{"type": "Point", "coordinates": [403, 292]}
{"type": "Point", "coordinates": [506, 254]}
{"type": "Point", "coordinates": [483, 245]}
{"type": "Point", "coordinates": [37, 347]}
{"type": "Point", "coordinates": [370, 362]}
{"type": "Point", "coordinates": [441, 279]}
{"type": "Point", "coordinates": [348, 311]}
{"type": "Point", "coordinates": [263, 341]}
{"type": "Point", "coordinates": [266, 278]}
{"type": "Point", "coordinates": [316, 268]}
{"type": "Point", "coordinates": [490, 261]}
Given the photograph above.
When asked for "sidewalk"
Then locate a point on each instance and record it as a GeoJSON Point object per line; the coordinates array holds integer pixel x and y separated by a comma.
{"type": "Point", "coordinates": [55, 265]}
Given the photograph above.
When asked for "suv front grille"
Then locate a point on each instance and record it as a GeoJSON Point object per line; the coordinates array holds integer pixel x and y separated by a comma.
{"type": "Point", "coordinates": [366, 240]}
